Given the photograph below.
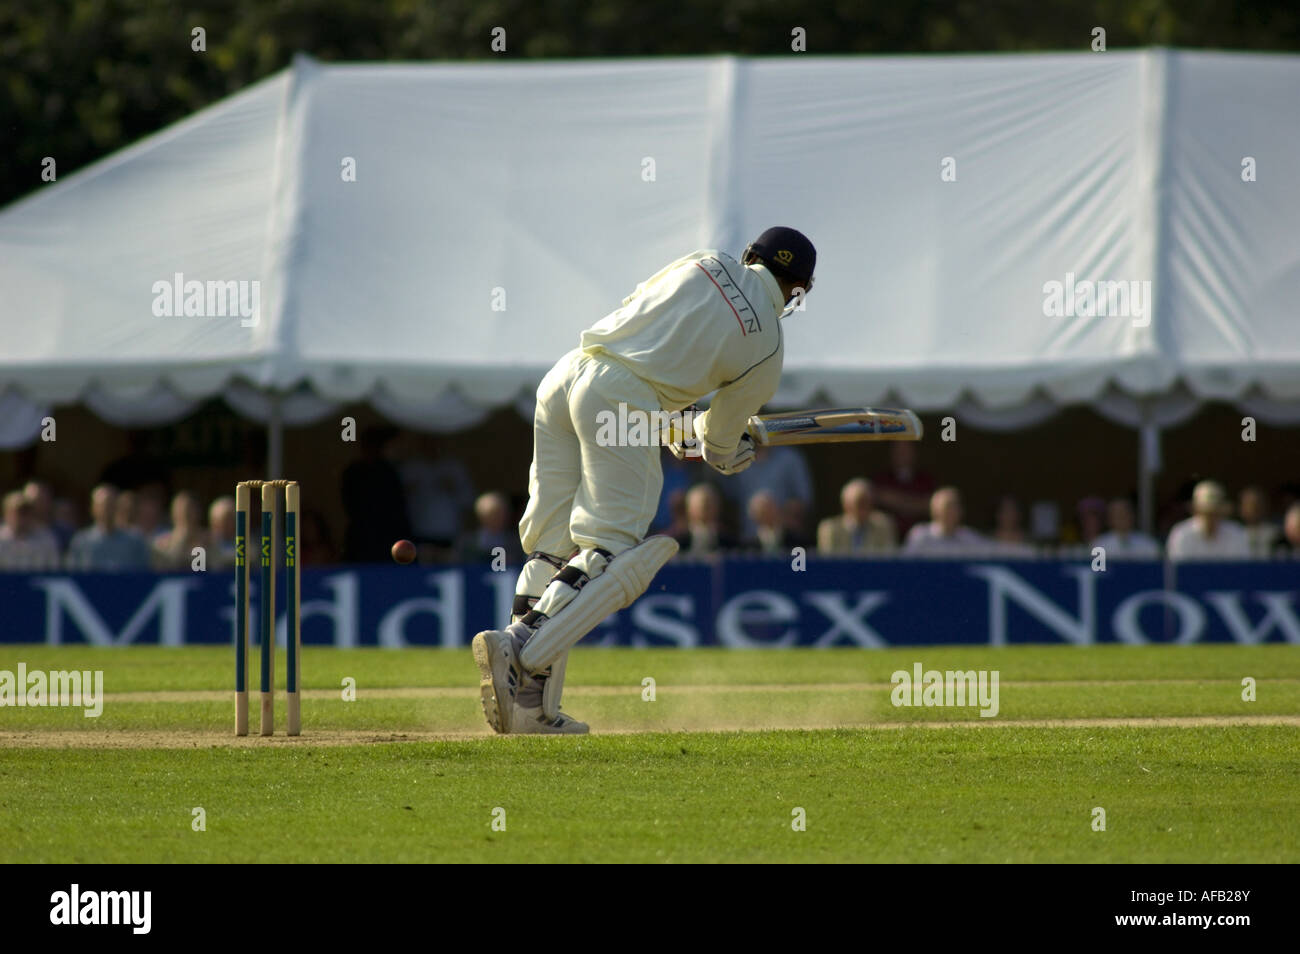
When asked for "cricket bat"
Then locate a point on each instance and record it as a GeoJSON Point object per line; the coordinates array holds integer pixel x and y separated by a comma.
{"type": "Point", "coordinates": [836, 425]}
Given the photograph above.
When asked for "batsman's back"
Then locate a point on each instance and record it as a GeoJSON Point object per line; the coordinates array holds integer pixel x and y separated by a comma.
{"type": "Point", "coordinates": [698, 324]}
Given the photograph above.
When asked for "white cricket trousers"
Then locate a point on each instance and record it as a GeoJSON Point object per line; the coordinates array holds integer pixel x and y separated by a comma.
{"type": "Point", "coordinates": [582, 494]}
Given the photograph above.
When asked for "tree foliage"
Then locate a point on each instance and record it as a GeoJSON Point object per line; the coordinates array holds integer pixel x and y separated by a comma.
{"type": "Point", "coordinates": [82, 78]}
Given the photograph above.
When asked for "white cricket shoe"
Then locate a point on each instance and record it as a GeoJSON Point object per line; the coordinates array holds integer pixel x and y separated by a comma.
{"type": "Point", "coordinates": [498, 665]}
{"type": "Point", "coordinates": [534, 722]}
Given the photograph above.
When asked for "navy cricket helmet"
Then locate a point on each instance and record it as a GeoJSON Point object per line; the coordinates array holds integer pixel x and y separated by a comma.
{"type": "Point", "coordinates": [787, 253]}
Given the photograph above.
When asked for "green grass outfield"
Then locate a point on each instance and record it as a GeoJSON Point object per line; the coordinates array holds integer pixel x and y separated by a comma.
{"type": "Point", "coordinates": [711, 770]}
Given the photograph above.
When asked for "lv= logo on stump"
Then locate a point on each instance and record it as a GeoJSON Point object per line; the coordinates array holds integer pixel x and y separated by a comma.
{"type": "Point", "coordinates": [293, 603]}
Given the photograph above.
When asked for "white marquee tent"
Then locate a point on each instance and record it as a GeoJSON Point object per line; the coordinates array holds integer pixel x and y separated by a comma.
{"type": "Point", "coordinates": [553, 188]}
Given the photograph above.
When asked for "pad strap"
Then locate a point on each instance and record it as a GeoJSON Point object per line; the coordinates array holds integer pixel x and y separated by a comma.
{"type": "Point", "coordinates": [547, 558]}
{"type": "Point", "coordinates": [613, 587]}
{"type": "Point", "coordinates": [569, 575]}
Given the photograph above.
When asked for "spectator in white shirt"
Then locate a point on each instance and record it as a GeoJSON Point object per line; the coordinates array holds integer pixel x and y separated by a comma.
{"type": "Point", "coordinates": [41, 497]}
{"type": "Point", "coordinates": [1207, 534]}
{"type": "Point", "coordinates": [944, 534]}
{"type": "Point", "coordinates": [24, 544]}
{"type": "Point", "coordinates": [1122, 542]}
{"type": "Point", "coordinates": [103, 545]}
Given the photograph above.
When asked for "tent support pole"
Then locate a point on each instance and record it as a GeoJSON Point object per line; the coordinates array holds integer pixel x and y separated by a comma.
{"type": "Point", "coordinates": [275, 441]}
{"type": "Point", "coordinates": [1148, 467]}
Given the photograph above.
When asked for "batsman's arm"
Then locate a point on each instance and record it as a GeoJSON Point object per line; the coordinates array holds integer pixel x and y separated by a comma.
{"type": "Point", "coordinates": [724, 423]}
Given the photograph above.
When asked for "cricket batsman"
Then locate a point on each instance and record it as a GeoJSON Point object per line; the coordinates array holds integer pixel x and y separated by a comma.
{"type": "Point", "coordinates": [704, 323]}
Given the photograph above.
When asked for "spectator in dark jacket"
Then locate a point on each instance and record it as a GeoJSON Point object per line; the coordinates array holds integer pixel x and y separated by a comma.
{"type": "Point", "coordinates": [770, 536]}
{"type": "Point", "coordinates": [704, 533]}
{"type": "Point", "coordinates": [375, 503]}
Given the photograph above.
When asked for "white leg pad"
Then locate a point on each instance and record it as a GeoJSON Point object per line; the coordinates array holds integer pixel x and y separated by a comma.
{"type": "Point", "coordinates": [553, 687]}
{"type": "Point", "coordinates": [626, 577]}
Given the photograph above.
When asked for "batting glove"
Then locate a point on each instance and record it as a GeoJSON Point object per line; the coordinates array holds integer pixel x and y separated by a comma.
{"type": "Point", "coordinates": [738, 461]}
{"type": "Point", "coordinates": [687, 448]}
{"type": "Point", "coordinates": [681, 435]}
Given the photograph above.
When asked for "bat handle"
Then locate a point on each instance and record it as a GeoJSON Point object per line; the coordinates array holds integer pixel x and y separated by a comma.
{"type": "Point", "coordinates": [757, 430]}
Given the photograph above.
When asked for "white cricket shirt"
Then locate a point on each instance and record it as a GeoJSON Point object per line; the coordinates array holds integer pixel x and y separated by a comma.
{"type": "Point", "coordinates": [703, 323]}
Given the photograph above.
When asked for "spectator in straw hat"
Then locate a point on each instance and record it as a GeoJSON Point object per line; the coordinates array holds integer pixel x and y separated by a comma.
{"type": "Point", "coordinates": [1208, 534]}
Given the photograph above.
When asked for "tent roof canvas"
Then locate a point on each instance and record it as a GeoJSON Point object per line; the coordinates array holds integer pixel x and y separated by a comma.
{"type": "Point", "coordinates": [497, 210]}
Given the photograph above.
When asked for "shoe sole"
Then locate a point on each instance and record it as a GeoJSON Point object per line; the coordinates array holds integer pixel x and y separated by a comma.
{"type": "Point", "coordinates": [492, 709]}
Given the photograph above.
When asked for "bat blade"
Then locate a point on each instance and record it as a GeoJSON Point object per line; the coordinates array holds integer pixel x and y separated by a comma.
{"type": "Point", "coordinates": [836, 425]}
